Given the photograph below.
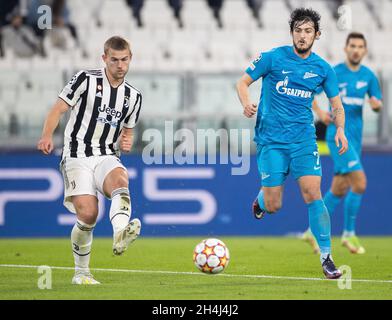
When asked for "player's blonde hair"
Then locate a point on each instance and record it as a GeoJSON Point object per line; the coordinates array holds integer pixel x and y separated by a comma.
{"type": "Point", "coordinates": [116, 43]}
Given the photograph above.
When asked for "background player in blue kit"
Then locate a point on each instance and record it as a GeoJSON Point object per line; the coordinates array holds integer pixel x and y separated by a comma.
{"type": "Point", "coordinates": [285, 133]}
{"type": "Point", "coordinates": [355, 82]}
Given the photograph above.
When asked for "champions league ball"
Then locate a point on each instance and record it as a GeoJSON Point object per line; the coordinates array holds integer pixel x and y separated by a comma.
{"type": "Point", "coordinates": [211, 256]}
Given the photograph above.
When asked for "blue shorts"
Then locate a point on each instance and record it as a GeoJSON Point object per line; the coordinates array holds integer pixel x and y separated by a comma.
{"type": "Point", "coordinates": [347, 162]}
{"type": "Point", "coordinates": [276, 161]}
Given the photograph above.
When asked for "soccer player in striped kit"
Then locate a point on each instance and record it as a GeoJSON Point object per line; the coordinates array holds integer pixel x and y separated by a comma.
{"type": "Point", "coordinates": [104, 110]}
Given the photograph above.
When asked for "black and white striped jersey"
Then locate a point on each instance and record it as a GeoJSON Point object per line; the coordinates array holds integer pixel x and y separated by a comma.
{"type": "Point", "coordinates": [98, 113]}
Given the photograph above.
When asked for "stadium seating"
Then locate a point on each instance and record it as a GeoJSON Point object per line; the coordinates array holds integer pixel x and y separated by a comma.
{"type": "Point", "coordinates": [161, 48]}
{"type": "Point", "coordinates": [240, 36]}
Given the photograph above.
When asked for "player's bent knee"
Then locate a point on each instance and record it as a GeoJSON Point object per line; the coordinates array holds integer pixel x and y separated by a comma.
{"type": "Point", "coordinates": [359, 188]}
{"type": "Point", "coordinates": [340, 192]}
{"type": "Point", "coordinates": [88, 219]}
{"type": "Point", "coordinates": [84, 207]}
{"type": "Point", "coordinates": [86, 212]}
{"type": "Point", "coordinates": [117, 179]}
{"type": "Point", "coordinates": [87, 215]}
{"type": "Point", "coordinates": [340, 186]}
{"type": "Point", "coordinates": [119, 182]}
{"type": "Point", "coordinates": [311, 195]}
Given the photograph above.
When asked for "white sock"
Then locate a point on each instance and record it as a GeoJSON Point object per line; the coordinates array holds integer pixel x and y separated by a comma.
{"type": "Point", "coordinates": [347, 234]}
{"type": "Point", "coordinates": [120, 209]}
{"type": "Point", "coordinates": [324, 256]}
{"type": "Point", "coordinates": [82, 238]}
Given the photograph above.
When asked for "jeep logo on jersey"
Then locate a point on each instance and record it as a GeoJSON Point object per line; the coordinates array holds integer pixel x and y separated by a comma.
{"type": "Point", "coordinates": [111, 112]}
{"type": "Point", "coordinates": [282, 88]}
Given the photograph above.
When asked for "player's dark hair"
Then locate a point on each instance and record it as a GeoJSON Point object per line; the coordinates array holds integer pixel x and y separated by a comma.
{"type": "Point", "coordinates": [116, 43]}
{"type": "Point", "coordinates": [303, 15]}
{"type": "Point", "coordinates": [356, 35]}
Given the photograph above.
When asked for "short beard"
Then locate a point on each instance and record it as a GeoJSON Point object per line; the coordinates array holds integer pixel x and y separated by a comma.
{"type": "Point", "coordinates": [354, 63]}
{"type": "Point", "coordinates": [303, 51]}
{"type": "Point", "coordinates": [118, 77]}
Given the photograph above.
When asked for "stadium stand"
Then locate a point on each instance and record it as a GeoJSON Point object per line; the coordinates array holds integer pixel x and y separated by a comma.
{"type": "Point", "coordinates": [174, 55]}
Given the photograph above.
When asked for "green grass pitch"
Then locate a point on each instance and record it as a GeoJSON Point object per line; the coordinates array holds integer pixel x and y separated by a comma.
{"type": "Point", "coordinates": [162, 268]}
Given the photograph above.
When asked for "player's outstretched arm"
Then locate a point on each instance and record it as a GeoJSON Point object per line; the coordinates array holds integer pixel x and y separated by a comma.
{"type": "Point", "coordinates": [243, 84]}
{"type": "Point", "coordinates": [323, 115]}
{"type": "Point", "coordinates": [45, 144]}
{"type": "Point", "coordinates": [375, 104]}
{"type": "Point", "coordinates": [338, 118]}
{"type": "Point", "coordinates": [126, 139]}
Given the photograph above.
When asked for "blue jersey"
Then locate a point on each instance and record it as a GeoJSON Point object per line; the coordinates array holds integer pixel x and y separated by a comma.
{"type": "Point", "coordinates": [353, 87]}
{"type": "Point", "coordinates": [289, 83]}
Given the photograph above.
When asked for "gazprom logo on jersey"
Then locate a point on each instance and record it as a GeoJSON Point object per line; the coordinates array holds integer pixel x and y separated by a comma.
{"type": "Point", "coordinates": [282, 88]}
{"type": "Point", "coordinates": [353, 101]}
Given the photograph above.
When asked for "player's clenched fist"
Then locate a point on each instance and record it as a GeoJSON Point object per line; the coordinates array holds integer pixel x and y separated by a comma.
{"type": "Point", "coordinates": [45, 145]}
{"type": "Point", "coordinates": [250, 110]}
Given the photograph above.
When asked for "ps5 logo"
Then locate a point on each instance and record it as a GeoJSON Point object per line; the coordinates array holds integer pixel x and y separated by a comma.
{"type": "Point", "coordinates": [153, 178]}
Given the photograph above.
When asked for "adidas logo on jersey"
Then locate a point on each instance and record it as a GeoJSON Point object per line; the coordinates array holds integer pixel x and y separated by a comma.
{"type": "Point", "coordinates": [352, 100]}
{"type": "Point", "coordinates": [310, 75]}
{"type": "Point", "coordinates": [99, 94]}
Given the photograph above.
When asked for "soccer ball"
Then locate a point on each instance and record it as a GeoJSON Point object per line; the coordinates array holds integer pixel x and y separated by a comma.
{"type": "Point", "coordinates": [211, 256]}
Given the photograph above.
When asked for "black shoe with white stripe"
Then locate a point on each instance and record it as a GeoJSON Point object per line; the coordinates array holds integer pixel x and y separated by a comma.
{"type": "Point", "coordinates": [257, 211]}
{"type": "Point", "coordinates": [329, 269]}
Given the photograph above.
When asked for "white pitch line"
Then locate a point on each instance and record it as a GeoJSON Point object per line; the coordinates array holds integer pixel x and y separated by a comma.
{"type": "Point", "coordinates": [195, 273]}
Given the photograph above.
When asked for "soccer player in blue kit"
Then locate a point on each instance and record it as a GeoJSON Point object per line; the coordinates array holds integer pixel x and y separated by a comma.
{"type": "Point", "coordinates": [285, 133]}
{"type": "Point", "coordinates": [355, 82]}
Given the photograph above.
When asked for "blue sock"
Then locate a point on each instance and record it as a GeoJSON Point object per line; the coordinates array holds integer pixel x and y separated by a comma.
{"type": "Point", "coordinates": [320, 225]}
{"type": "Point", "coordinates": [260, 200]}
{"type": "Point", "coordinates": [331, 202]}
{"type": "Point", "coordinates": [352, 204]}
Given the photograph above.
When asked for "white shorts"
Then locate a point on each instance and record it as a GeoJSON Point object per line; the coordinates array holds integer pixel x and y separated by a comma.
{"type": "Point", "coordinates": [86, 176]}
